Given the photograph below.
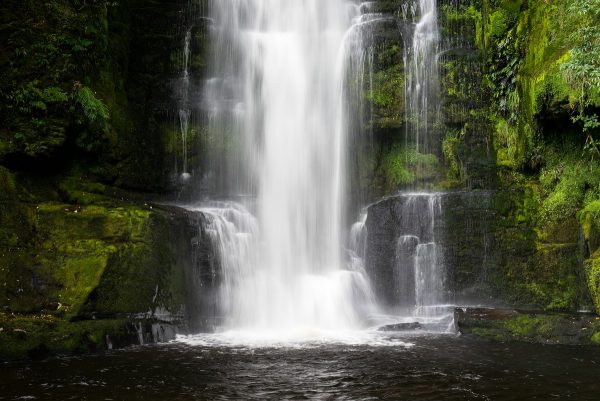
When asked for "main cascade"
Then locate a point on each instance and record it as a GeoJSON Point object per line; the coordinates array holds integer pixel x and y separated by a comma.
{"type": "Point", "coordinates": [277, 90]}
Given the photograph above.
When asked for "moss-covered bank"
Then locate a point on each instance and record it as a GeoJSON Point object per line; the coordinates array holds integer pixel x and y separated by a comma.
{"type": "Point", "coordinates": [520, 325]}
{"type": "Point", "coordinates": [76, 255]}
{"type": "Point", "coordinates": [519, 99]}
{"type": "Point", "coordinates": [42, 335]}
{"type": "Point", "coordinates": [520, 89]}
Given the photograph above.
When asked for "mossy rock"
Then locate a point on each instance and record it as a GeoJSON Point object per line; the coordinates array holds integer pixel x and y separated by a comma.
{"type": "Point", "coordinates": [111, 256]}
{"type": "Point", "coordinates": [533, 327]}
{"type": "Point", "coordinates": [589, 218]}
{"type": "Point", "coordinates": [39, 336]}
{"type": "Point", "coordinates": [68, 253]}
{"type": "Point", "coordinates": [100, 258]}
{"type": "Point", "coordinates": [592, 269]}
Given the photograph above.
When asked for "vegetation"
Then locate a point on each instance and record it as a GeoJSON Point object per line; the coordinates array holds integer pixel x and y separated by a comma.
{"type": "Point", "coordinates": [582, 68]}
{"type": "Point", "coordinates": [404, 165]}
{"type": "Point", "coordinates": [528, 94]}
{"type": "Point", "coordinates": [540, 328]}
{"type": "Point", "coordinates": [569, 180]}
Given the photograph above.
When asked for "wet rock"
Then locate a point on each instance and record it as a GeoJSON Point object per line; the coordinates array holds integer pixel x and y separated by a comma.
{"type": "Point", "coordinates": [490, 250]}
{"type": "Point", "coordinates": [401, 327]}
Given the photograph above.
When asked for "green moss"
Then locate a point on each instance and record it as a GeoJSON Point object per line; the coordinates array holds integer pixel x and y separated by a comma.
{"type": "Point", "coordinates": [569, 181]}
{"type": "Point", "coordinates": [386, 94]}
{"type": "Point", "coordinates": [38, 336]}
{"type": "Point", "coordinates": [78, 243]}
{"type": "Point", "coordinates": [530, 326]}
{"type": "Point", "coordinates": [403, 166]}
{"type": "Point", "coordinates": [489, 333]}
{"type": "Point", "coordinates": [509, 145]}
{"type": "Point", "coordinates": [79, 268]}
{"type": "Point", "coordinates": [497, 23]}
{"type": "Point", "coordinates": [592, 269]}
{"type": "Point", "coordinates": [450, 145]}
{"type": "Point", "coordinates": [55, 255]}
{"type": "Point", "coordinates": [539, 267]}
{"type": "Point", "coordinates": [550, 280]}
{"type": "Point", "coordinates": [8, 187]}
{"type": "Point", "coordinates": [589, 218]}
{"type": "Point", "coordinates": [535, 327]}
{"type": "Point", "coordinates": [520, 207]}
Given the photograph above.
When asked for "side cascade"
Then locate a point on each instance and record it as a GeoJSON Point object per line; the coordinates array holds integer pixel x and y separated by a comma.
{"type": "Point", "coordinates": [422, 75]}
{"type": "Point", "coordinates": [417, 296]}
{"type": "Point", "coordinates": [419, 267]}
{"type": "Point", "coordinates": [404, 252]}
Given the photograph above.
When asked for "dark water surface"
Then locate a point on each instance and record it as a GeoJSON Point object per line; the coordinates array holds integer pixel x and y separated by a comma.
{"type": "Point", "coordinates": [433, 368]}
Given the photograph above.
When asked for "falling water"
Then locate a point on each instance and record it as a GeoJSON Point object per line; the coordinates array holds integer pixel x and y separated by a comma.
{"type": "Point", "coordinates": [421, 85]}
{"type": "Point", "coordinates": [277, 98]}
{"type": "Point", "coordinates": [184, 111]}
{"type": "Point", "coordinates": [419, 267]}
{"type": "Point", "coordinates": [190, 21]}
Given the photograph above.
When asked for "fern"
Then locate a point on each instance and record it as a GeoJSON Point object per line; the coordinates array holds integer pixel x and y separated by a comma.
{"type": "Point", "coordinates": [94, 109]}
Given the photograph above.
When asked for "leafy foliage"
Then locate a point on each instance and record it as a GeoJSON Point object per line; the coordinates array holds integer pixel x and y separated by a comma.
{"type": "Point", "coordinates": [582, 69]}
{"type": "Point", "coordinates": [31, 97]}
{"type": "Point", "coordinates": [46, 48]}
{"type": "Point", "coordinates": [569, 182]}
{"type": "Point", "coordinates": [93, 108]}
{"type": "Point", "coordinates": [450, 150]}
{"type": "Point", "coordinates": [498, 24]}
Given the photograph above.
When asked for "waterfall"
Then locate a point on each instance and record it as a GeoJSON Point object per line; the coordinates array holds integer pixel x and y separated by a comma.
{"type": "Point", "coordinates": [278, 105]}
{"type": "Point", "coordinates": [285, 102]}
{"type": "Point", "coordinates": [422, 72]}
{"type": "Point", "coordinates": [419, 265]}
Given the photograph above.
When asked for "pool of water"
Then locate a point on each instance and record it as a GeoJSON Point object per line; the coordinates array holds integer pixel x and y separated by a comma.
{"type": "Point", "coordinates": [391, 366]}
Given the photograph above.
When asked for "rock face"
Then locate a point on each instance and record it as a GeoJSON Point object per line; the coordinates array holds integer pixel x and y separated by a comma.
{"type": "Point", "coordinates": [489, 252]}
{"type": "Point", "coordinates": [113, 263]}
{"type": "Point", "coordinates": [402, 254]}
{"type": "Point", "coordinates": [401, 327]}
